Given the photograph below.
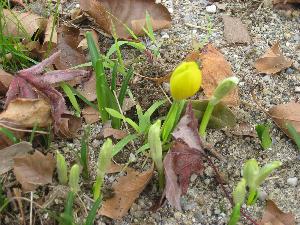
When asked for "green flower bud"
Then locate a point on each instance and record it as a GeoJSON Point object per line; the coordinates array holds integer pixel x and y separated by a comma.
{"type": "Point", "coordinates": [250, 172]}
{"type": "Point", "coordinates": [105, 156]}
{"type": "Point", "coordinates": [185, 80]}
{"type": "Point", "coordinates": [74, 178]}
{"type": "Point", "coordinates": [62, 169]}
{"type": "Point", "coordinates": [239, 192]}
{"type": "Point", "coordinates": [224, 88]}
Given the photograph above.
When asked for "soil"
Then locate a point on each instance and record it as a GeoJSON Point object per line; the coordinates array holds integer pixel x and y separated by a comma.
{"type": "Point", "coordinates": [205, 202]}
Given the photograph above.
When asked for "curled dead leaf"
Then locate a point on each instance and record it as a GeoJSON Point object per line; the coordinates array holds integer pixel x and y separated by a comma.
{"type": "Point", "coordinates": [126, 190]}
{"type": "Point", "coordinates": [5, 79]}
{"type": "Point", "coordinates": [215, 68]}
{"type": "Point", "coordinates": [274, 216]}
{"type": "Point", "coordinates": [130, 13]}
{"type": "Point", "coordinates": [34, 170]}
{"type": "Point", "coordinates": [272, 61]}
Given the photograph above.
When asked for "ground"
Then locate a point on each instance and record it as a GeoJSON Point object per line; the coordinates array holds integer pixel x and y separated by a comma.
{"type": "Point", "coordinates": [205, 202]}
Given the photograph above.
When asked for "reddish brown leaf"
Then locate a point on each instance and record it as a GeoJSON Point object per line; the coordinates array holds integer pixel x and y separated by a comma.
{"type": "Point", "coordinates": [90, 115]}
{"type": "Point", "coordinates": [235, 31]}
{"type": "Point", "coordinates": [272, 61]}
{"type": "Point", "coordinates": [111, 132]}
{"type": "Point", "coordinates": [7, 155]}
{"type": "Point", "coordinates": [129, 12]}
{"type": "Point", "coordinates": [126, 190]}
{"type": "Point", "coordinates": [88, 89]}
{"type": "Point", "coordinates": [183, 159]}
{"type": "Point", "coordinates": [215, 68]}
{"type": "Point", "coordinates": [34, 170]}
{"type": "Point", "coordinates": [69, 126]}
{"type": "Point", "coordinates": [274, 216]}
{"type": "Point", "coordinates": [286, 113]}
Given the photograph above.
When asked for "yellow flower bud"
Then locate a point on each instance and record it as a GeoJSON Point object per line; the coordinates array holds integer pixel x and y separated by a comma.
{"type": "Point", "coordinates": [185, 80]}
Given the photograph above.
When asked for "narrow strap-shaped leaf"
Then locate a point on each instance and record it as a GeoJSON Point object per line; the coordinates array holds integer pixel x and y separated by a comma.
{"type": "Point", "coordinates": [124, 86]}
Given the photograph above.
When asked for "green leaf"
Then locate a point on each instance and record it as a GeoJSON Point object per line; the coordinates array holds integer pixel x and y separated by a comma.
{"type": "Point", "coordinates": [67, 217]}
{"type": "Point", "coordinates": [114, 75]}
{"type": "Point", "coordinates": [235, 215]}
{"type": "Point", "coordinates": [115, 113]}
{"type": "Point", "coordinates": [143, 148]}
{"type": "Point", "coordinates": [295, 135]}
{"type": "Point", "coordinates": [62, 169]}
{"type": "Point", "coordinates": [68, 91]}
{"type": "Point", "coordinates": [250, 172]}
{"type": "Point", "coordinates": [94, 53]}
{"type": "Point", "coordinates": [239, 192]}
{"type": "Point", "coordinates": [221, 116]}
{"type": "Point", "coordinates": [263, 132]}
{"type": "Point", "coordinates": [10, 135]}
{"type": "Point", "coordinates": [84, 152]}
{"type": "Point", "coordinates": [122, 143]}
{"type": "Point", "coordinates": [149, 30]}
{"type": "Point", "coordinates": [93, 212]}
{"type": "Point", "coordinates": [124, 86]}
{"type": "Point", "coordinates": [74, 178]}
{"type": "Point", "coordinates": [265, 171]}
{"type": "Point", "coordinates": [113, 48]}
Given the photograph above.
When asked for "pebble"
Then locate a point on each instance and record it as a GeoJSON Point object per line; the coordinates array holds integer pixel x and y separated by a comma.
{"type": "Point", "coordinates": [297, 89]}
{"type": "Point", "coordinates": [289, 71]}
{"type": "Point", "coordinates": [165, 36]}
{"type": "Point", "coordinates": [292, 181]}
{"type": "Point", "coordinates": [211, 9]}
{"type": "Point", "coordinates": [193, 177]}
{"type": "Point", "coordinates": [262, 196]}
{"type": "Point", "coordinates": [96, 143]}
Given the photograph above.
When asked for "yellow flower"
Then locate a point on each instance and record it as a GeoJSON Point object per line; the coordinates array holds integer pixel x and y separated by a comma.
{"type": "Point", "coordinates": [185, 80]}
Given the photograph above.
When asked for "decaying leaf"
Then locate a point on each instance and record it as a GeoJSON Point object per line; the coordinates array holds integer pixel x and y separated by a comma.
{"type": "Point", "coordinates": [286, 113]}
{"type": "Point", "coordinates": [115, 133]}
{"type": "Point", "coordinates": [34, 170]}
{"type": "Point", "coordinates": [131, 13]}
{"type": "Point", "coordinates": [286, 4]}
{"type": "Point", "coordinates": [5, 79]}
{"type": "Point", "coordinates": [242, 129]}
{"type": "Point", "coordinates": [126, 191]}
{"type": "Point", "coordinates": [67, 41]}
{"type": "Point", "coordinates": [272, 61]}
{"type": "Point", "coordinates": [20, 24]}
{"type": "Point", "coordinates": [90, 115]}
{"type": "Point", "coordinates": [88, 89]}
{"type": "Point", "coordinates": [215, 68]}
{"type": "Point", "coordinates": [221, 117]}
{"type": "Point", "coordinates": [7, 155]}
{"type": "Point", "coordinates": [235, 31]}
{"type": "Point", "coordinates": [184, 158]}
{"type": "Point", "coordinates": [69, 126]}
{"type": "Point", "coordinates": [50, 33]}
{"type": "Point", "coordinates": [27, 113]}
{"type": "Point", "coordinates": [274, 216]}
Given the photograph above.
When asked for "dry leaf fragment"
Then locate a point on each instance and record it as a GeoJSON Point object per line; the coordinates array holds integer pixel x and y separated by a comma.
{"type": "Point", "coordinates": [235, 31]}
{"type": "Point", "coordinates": [7, 155]}
{"type": "Point", "coordinates": [20, 24]}
{"type": "Point", "coordinates": [69, 126]}
{"type": "Point", "coordinates": [131, 13]}
{"type": "Point", "coordinates": [90, 115]}
{"type": "Point", "coordinates": [272, 61]}
{"type": "Point", "coordinates": [5, 79]}
{"type": "Point", "coordinates": [286, 113]}
{"type": "Point", "coordinates": [117, 134]}
{"type": "Point", "coordinates": [88, 89]}
{"type": "Point", "coordinates": [215, 68]}
{"type": "Point", "coordinates": [274, 216]}
{"type": "Point", "coordinates": [27, 113]}
{"type": "Point", "coordinates": [126, 190]}
{"type": "Point", "coordinates": [50, 33]}
{"type": "Point", "coordinates": [34, 170]}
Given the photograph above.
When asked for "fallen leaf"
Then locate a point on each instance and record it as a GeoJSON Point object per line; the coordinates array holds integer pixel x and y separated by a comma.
{"type": "Point", "coordinates": [272, 61]}
{"type": "Point", "coordinates": [286, 4]}
{"type": "Point", "coordinates": [242, 129]}
{"type": "Point", "coordinates": [126, 190]}
{"type": "Point", "coordinates": [5, 79]}
{"type": "Point", "coordinates": [18, 24]}
{"type": "Point", "coordinates": [274, 216]}
{"type": "Point", "coordinates": [111, 132]}
{"type": "Point", "coordinates": [27, 113]}
{"type": "Point", "coordinates": [67, 41]}
{"type": "Point", "coordinates": [88, 89]}
{"type": "Point", "coordinates": [50, 33]}
{"type": "Point", "coordinates": [221, 117]}
{"type": "Point", "coordinates": [184, 158]}
{"type": "Point", "coordinates": [69, 126]}
{"type": "Point", "coordinates": [215, 68]}
{"type": "Point", "coordinates": [235, 31]}
{"type": "Point", "coordinates": [34, 170]}
{"type": "Point", "coordinates": [131, 13]}
{"type": "Point", "coordinates": [286, 113]}
{"type": "Point", "coordinates": [83, 43]}
{"type": "Point", "coordinates": [90, 115]}
{"type": "Point", "coordinates": [7, 155]}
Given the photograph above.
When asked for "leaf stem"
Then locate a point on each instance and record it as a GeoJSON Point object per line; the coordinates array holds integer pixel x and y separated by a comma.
{"type": "Point", "coordinates": [205, 119]}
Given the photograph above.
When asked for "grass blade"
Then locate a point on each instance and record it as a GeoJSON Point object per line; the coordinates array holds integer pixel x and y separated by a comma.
{"type": "Point", "coordinates": [121, 144]}
{"type": "Point", "coordinates": [93, 213]}
{"type": "Point", "coordinates": [71, 97]}
{"type": "Point", "coordinates": [295, 135]}
{"type": "Point", "coordinates": [125, 86]}
{"type": "Point", "coordinates": [114, 75]}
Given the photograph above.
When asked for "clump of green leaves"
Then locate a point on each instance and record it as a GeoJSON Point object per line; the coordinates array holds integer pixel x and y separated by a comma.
{"type": "Point", "coordinates": [253, 177]}
{"type": "Point", "coordinates": [104, 161]}
{"type": "Point", "coordinates": [263, 132]}
{"type": "Point", "coordinates": [156, 151]}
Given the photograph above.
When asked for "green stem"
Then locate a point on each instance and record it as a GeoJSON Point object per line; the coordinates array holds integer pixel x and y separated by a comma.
{"type": "Point", "coordinates": [205, 119]}
{"type": "Point", "coordinates": [252, 196]}
{"type": "Point", "coordinates": [235, 215]}
{"type": "Point", "coordinates": [161, 179]}
{"type": "Point", "coordinates": [97, 187]}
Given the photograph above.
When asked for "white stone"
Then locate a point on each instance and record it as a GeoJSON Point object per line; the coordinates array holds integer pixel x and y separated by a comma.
{"type": "Point", "coordinates": [165, 36]}
{"type": "Point", "coordinates": [292, 181]}
{"type": "Point", "coordinates": [211, 8]}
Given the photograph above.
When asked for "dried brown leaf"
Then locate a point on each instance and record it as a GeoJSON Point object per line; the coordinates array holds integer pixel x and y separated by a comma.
{"type": "Point", "coordinates": [272, 61]}
{"type": "Point", "coordinates": [28, 113]}
{"type": "Point", "coordinates": [286, 113]}
{"type": "Point", "coordinates": [50, 33]}
{"type": "Point", "coordinates": [88, 89]}
{"type": "Point", "coordinates": [34, 170]}
{"type": "Point", "coordinates": [129, 12]}
{"type": "Point", "coordinates": [111, 132]}
{"type": "Point", "coordinates": [235, 31]}
{"type": "Point", "coordinates": [215, 68]}
{"type": "Point", "coordinates": [69, 126]}
{"type": "Point", "coordinates": [5, 79]}
{"type": "Point", "coordinates": [274, 216]}
{"type": "Point", "coordinates": [20, 24]}
{"type": "Point", "coordinates": [7, 155]}
{"type": "Point", "coordinates": [126, 190]}
{"type": "Point", "coordinates": [90, 115]}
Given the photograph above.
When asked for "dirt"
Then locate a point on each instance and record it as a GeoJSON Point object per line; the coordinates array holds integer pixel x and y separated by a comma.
{"type": "Point", "coordinates": [205, 202]}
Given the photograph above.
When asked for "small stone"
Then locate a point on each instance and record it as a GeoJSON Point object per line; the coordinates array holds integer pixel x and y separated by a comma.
{"type": "Point", "coordinates": [217, 211]}
{"type": "Point", "coordinates": [262, 196]}
{"type": "Point", "coordinates": [96, 143]}
{"type": "Point", "coordinates": [193, 177]}
{"type": "Point", "coordinates": [296, 65]}
{"type": "Point", "coordinates": [297, 89]}
{"type": "Point", "coordinates": [177, 215]}
{"type": "Point", "coordinates": [165, 36]}
{"type": "Point", "coordinates": [289, 71]}
{"type": "Point", "coordinates": [211, 9]}
{"type": "Point", "coordinates": [292, 181]}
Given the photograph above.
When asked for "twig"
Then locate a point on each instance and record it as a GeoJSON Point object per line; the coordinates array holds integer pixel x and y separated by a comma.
{"type": "Point", "coordinates": [219, 179]}
{"type": "Point", "coordinates": [21, 130]}
{"type": "Point", "coordinates": [198, 27]}
{"type": "Point", "coordinates": [168, 98]}
{"type": "Point", "coordinates": [30, 215]}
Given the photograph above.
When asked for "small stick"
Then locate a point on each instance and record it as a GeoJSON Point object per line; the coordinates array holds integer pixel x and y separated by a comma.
{"type": "Point", "coordinates": [30, 215]}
